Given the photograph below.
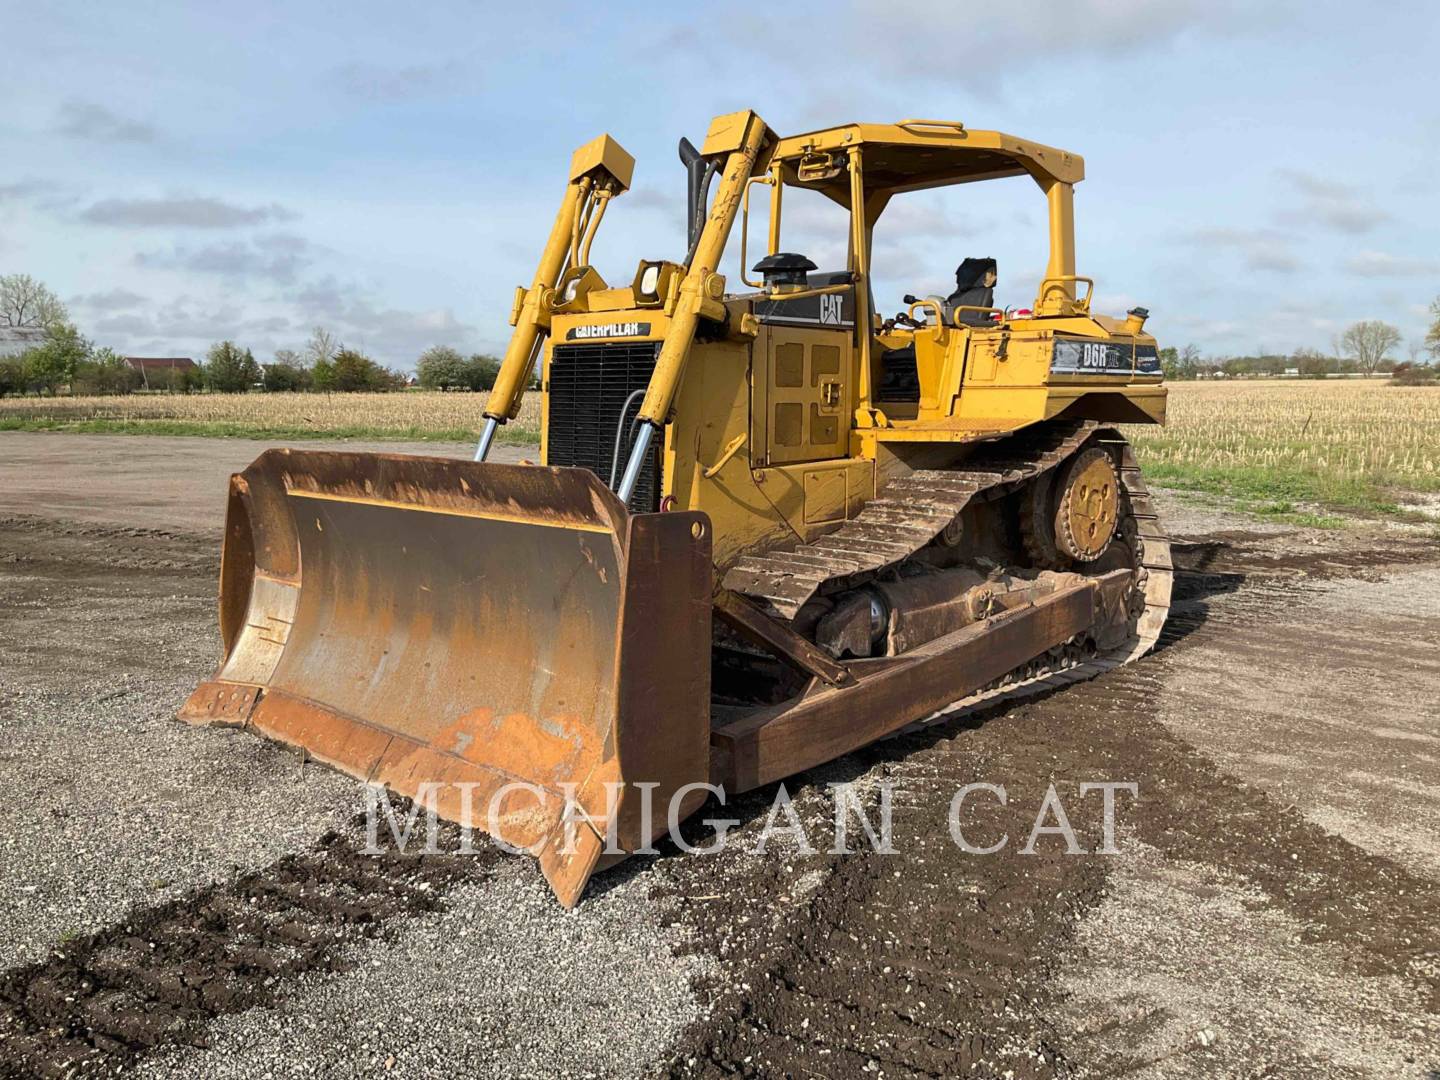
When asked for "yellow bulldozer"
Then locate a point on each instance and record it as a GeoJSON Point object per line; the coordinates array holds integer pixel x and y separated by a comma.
{"type": "Point", "coordinates": [768, 526]}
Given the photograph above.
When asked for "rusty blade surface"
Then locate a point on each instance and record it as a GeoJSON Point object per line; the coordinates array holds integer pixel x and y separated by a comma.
{"type": "Point", "coordinates": [496, 634]}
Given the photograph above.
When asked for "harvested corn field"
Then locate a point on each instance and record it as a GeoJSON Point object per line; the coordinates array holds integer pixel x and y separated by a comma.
{"type": "Point", "coordinates": [411, 414]}
{"type": "Point", "coordinates": [1348, 442]}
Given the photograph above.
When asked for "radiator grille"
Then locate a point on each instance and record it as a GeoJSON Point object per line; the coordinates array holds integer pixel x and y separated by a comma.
{"type": "Point", "coordinates": [589, 384]}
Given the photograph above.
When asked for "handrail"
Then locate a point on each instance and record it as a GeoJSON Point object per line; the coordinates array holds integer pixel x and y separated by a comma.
{"type": "Point", "coordinates": [745, 226]}
{"type": "Point", "coordinates": [954, 126]}
{"type": "Point", "coordinates": [805, 294]}
{"type": "Point", "coordinates": [939, 310]}
{"type": "Point", "coordinates": [954, 312]}
{"type": "Point", "coordinates": [1083, 303]}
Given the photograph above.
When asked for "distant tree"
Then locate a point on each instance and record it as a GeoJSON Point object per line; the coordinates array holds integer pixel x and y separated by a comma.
{"type": "Point", "coordinates": [178, 380]}
{"type": "Point", "coordinates": [1411, 374]}
{"type": "Point", "coordinates": [322, 348]}
{"type": "Point", "coordinates": [1170, 362]}
{"type": "Point", "coordinates": [1185, 363]}
{"type": "Point", "coordinates": [481, 372]}
{"type": "Point", "coordinates": [441, 368]}
{"type": "Point", "coordinates": [12, 376]}
{"type": "Point", "coordinates": [52, 364]}
{"type": "Point", "coordinates": [105, 371]}
{"type": "Point", "coordinates": [230, 369]}
{"type": "Point", "coordinates": [26, 302]}
{"type": "Point", "coordinates": [286, 373]}
{"type": "Point", "coordinates": [1368, 342]}
{"type": "Point", "coordinates": [1311, 363]}
{"type": "Point", "coordinates": [1432, 336]}
{"type": "Point", "coordinates": [355, 371]}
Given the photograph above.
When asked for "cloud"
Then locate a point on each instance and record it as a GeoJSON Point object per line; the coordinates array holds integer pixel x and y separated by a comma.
{"type": "Point", "coordinates": [646, 197]}
{"type": "Point", "coordinates": [881, 38]}
{"type": "Point", "coordinates": [279, 257]}
{"type": "Point", "coordinates": [87, 120]}
{"type": "Point", "coordinates": [1262, 249]}
{"type": "Point", "coordinates": [393, 335]}
{"type": "Point", "coordinates": [117, 299]}
{"type": "Point", "coordinates": [1330, 205]}
{"type": "Point", "coordinates": [182, 211]}
{"type": "Point", "coordinates": [26, 189]}
{"type": "Point", "coordinates": [375, 82]}
{"type": "Point", "coordinates": [1379, 264]}
{"type": "Point", "coordinates": [189, 324]}
{"type": "Point", "coordinates": [125, 324]}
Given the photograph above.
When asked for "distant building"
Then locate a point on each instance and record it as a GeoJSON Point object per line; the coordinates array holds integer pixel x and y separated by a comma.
{"type": "Point", "coordinates": [160, 366]}
{"type": "Point", "coordinates": [15, 340]}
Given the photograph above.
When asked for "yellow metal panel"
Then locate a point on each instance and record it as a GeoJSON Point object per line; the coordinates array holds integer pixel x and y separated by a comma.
{"type": "Point", "coordinates": [824, 428]}
{"type": "Point", "coordinates": [727, 133]}
{"type": "Point", "coordinates": [824, 363]}
{"type": "Point", "coordinates": [790, 364]}
{"type": "Point", "coordinates": [788, 428]}
{"type": "Point", "coordinates": [712, 410]}
{"type": "Point", "coordinates": [815, 497]}
{"type": "Point", "coordinates": [804, 389]}
{"type": "Point", "coordinates": [603, 153]}
{"type": "Point", "coordinates": [824, 495]}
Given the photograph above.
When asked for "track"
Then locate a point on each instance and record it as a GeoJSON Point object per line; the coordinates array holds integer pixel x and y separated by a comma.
{"type": "Point", "coordinates": [915, 509]}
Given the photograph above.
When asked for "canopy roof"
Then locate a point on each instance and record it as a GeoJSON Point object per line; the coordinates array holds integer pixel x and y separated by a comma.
{"type": "Point", "coordinates": [915, 154]}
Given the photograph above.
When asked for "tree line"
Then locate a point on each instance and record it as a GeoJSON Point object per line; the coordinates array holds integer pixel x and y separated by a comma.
{"type": "Point", "coordinates": [64, 359]}
{"type": "Point", "coordinates": [323, 364]}
{"type": "Point", "coordinates": [1363, 348]}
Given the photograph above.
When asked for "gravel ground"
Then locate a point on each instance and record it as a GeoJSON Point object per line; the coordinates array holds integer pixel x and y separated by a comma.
{"type": "Point", "coordinates": [1275, 913]}
{"type": "Point", "coordinates": [1267, 999]}
{"type": "Point", "coordinates": [502, 983]}
{"type": "Point", "coordinates": [114, 801]}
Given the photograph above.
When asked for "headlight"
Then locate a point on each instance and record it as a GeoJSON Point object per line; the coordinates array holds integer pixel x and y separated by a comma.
{"type": "Point", "coordinates": [650, 281]}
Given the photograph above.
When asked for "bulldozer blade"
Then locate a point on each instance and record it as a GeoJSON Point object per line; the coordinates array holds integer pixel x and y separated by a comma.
{"type": "Point", "coordinates": [505, 644]}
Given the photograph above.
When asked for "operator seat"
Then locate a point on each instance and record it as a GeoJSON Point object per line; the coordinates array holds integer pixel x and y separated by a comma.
{"type": "Point", "coordinates": [899, 375]}
{"type": "Point", "coordinates": [971, 291]}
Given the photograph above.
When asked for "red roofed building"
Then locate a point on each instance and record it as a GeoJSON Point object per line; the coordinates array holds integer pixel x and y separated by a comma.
{"type": "Point", "coordinates": [150, 366]}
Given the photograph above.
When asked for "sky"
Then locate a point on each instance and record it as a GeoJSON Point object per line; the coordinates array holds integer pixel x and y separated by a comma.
{"type": "Point", "coordinates": [1257, 175]}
